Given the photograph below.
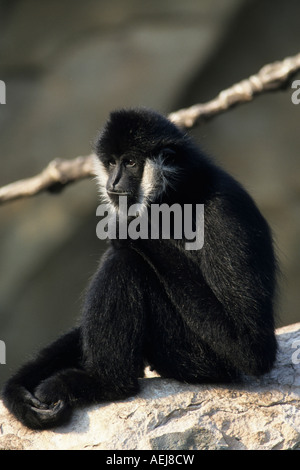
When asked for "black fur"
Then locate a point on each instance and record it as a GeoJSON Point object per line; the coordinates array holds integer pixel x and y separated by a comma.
{"type": "Point", "coordinates": [197, 316]}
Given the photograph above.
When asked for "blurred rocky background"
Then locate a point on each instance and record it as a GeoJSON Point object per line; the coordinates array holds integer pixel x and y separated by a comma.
{"type": "Point", "coordinates": [66, 64]}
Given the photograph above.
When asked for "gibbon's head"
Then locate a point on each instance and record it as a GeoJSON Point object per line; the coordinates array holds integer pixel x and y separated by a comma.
{"type": "Point", "coordinates": [138, 155]}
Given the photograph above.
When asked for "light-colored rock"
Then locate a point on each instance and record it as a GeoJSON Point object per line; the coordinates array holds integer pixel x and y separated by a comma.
{"type": "Point", "coordinates": [258, 414]}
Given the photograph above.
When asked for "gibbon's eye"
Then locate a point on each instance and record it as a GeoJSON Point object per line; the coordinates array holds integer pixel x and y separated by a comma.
{"type": "Point", "coordinates": [129, 163]}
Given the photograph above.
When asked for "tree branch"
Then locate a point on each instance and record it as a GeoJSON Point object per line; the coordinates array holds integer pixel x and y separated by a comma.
{"type": "Point", "coordinates": [271, 77]}
{"type": "Point", "coordinates": [53, 178]}
{"type": "Point", "coordinates": [60, 173]}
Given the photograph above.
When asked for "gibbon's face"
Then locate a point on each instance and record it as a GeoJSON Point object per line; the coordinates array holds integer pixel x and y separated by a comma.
{"type": "Point", "coordinates": [123, 177]}
{"type": "Point", "coordinates": [136, 157]}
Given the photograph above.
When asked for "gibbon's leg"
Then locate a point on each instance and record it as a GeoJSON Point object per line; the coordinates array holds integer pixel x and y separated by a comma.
{"type": "Point", "coordinates": [18, 393]}
{"type": "Point", "coordinates": [99, 361]}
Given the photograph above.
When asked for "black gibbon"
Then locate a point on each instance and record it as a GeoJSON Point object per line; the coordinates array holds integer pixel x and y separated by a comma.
{"type": "Point", "coordinates": [195, 315]}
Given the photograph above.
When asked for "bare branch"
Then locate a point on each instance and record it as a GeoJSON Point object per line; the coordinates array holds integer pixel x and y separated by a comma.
{"type": "Point", "coordinates": [54, 177]}
{"type": "Point", "coordinates": [271, 77]}
{"type": "Point", "coordinates": [60, 173]}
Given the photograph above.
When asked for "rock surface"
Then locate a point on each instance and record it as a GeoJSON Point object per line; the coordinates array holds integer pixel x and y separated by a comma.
{"type": "Point", "coordinates": [167, 415]}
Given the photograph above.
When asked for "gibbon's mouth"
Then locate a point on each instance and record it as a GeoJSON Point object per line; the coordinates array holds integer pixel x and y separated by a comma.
{"type": "Point", "coordinates": [117, 193]}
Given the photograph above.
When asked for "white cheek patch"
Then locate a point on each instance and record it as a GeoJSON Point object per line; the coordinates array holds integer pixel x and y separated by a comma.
{"type": "Point", "coordinates": [157, 177]}
{"type": "Point", "coordinates": [148, 181]}
{"type": "Point", "coordinates": [100, 172]}
{"type": "Point", "coordinates": [101, 179]}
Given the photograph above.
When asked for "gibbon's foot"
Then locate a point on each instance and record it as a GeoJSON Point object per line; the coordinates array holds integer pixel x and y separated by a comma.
{"type": "Point", "coordinates": [36, 414]}
{"type": "Point", "coordinates": [42, 416]}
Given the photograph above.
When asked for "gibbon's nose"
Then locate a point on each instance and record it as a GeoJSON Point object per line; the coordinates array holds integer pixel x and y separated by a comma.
{"type": "Point", "coordinates": [116, 187]}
